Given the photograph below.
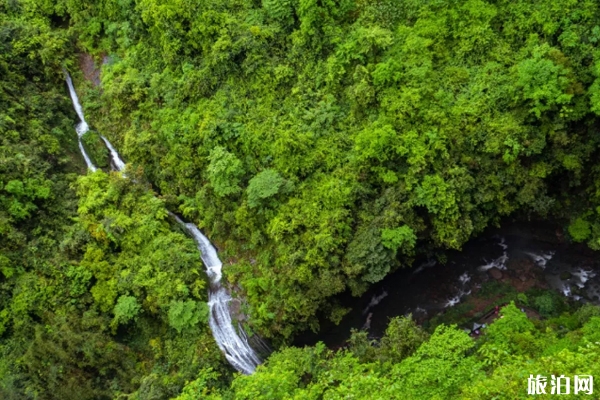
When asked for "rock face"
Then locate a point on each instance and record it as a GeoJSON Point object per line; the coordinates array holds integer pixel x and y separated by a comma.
{"type": "Point", "coordinates": [235, 308]}
{"type": "Point", "coordinates": [90, 71]}
{"type": "Point", "coordinates": [495, 273]}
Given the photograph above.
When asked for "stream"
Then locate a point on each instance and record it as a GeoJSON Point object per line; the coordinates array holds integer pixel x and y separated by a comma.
{"type": "Point", "coordinates": [523, 254]}
{"type": "Point", "coordinates": [233, 342]}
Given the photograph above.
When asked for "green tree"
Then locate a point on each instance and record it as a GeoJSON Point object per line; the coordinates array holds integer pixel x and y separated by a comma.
{"type": "Point", "coordinates": [224, 172]}
{"type": "Point", "coordinates": [263, 185]}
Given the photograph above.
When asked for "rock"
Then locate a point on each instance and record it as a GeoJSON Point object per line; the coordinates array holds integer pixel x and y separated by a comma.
{"type": "Point", "coordinates": [528, 265]}
{"type": "Point", "coordinates": [90, 71]}
{"type": "Point", "coordinates": [565, 276]}
{"type": "Point", "coordinates": [495, 273]}
{"type": "Point", "coordinates": [235, 308]}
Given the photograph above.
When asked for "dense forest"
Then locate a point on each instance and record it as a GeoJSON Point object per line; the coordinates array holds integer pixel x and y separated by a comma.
{"type": "Point", "coordinates": [321, 145]}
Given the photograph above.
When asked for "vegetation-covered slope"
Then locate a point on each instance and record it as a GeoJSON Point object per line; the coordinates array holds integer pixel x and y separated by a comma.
{"type": "Point", "coordinates": [447, 365]}
{"type": "Point", "coordinates": [322, 144]}
{"type": "Point", "coordinates": [99, 296]}
{"type": "Point", "coordinates": [325, 143]}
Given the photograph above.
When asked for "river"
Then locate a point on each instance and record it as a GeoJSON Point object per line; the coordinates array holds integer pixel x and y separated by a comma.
{"type": "Point", "coordinates": [523, 254]}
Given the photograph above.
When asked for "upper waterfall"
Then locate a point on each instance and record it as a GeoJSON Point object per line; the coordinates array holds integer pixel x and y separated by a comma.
{"type": "Point", "coordinates": [83, 127]}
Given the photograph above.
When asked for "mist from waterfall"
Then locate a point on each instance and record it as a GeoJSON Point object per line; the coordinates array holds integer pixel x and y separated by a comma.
{"type": "Point", "coordinates": [232, 342]}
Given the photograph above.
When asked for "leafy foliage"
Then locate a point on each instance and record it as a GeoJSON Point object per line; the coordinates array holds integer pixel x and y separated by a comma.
{"type": "Point", "coordinates": [187, 314]}
{"type": "Point", "coordinates": [265, 184]}
{"type": "Point", "coordinates": [331, 142]}
{"type": "Point", "coordinates": [224, 172]}
{"type": "Point", "coordinates": [82, 314]}
{"type": "Point", "coordinates": [96, 149]}
{"type": "Point", "coordinates": [449, 364]}
{"type": "Point", "coordinates": [322, 145]}
{"type": "Point", "coordinates": [126, 309]}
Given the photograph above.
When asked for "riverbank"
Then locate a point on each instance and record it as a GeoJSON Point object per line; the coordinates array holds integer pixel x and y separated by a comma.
{"type": "Point", "coordinates": [526, 261]}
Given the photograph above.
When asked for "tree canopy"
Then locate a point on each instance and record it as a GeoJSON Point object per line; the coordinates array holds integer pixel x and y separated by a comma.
{"type": "Point", "coordinates": [321, 145]}
{"type": "Point", "coordinates": [331, 142]}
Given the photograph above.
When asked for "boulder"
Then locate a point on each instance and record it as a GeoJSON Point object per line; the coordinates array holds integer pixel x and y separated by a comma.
{"type": "Point", "coordinates": [235, 309]}
{"type": "Point", "coordinates": [495, 273]}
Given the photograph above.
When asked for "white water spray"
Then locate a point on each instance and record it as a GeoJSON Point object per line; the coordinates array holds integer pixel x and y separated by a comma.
{"type": "Point", "coordinates": [464, 278]}
{"type": "Point", "coordinates": [499, 262]}
{"type": "Point", "coordinates": [235, 346]}
{"type": "Point", "coordinates": [82, 127]}
{"type": "Point", "coordinates": [430, 263]}
{"type": "Point", "coordinates": [541, 259]}
{"type": "Point", "coordinates": [374, 301]}
{"type": "Point", "coordinates": [451, 302]}
{"type": "Point", "coordinates": [582, 276]}
{"type": "Point", "coordinates": [118, 163]}
{"type": "Point", "coordinates": [462, 292]}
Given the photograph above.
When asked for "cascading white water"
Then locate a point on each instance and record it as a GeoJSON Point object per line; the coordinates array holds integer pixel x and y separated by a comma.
{"type": "Point", "coordinates": [500, 262]}
{"type": "Point", "coordinates": [116, 159]}
{"type": "Point", "coordinates": [86, 158]}
{"type": "Point", "coordinates": [541, 259]}
{"type": "Point", "coordinates": [374, 301]}
{"type": "Point", "coordinates": [234, 345]}
{"type": "Point", "coordinates": [82, 127]}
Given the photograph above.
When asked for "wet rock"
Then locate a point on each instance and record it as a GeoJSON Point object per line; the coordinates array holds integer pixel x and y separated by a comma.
{"type": "Point", "coordinates": [521, 266]}
{"type": "Point", "coordinates": [565, 275]}
{"type": "Point", "coordinates": [528, 265]}
{"type": "Point", "coordinates": [235, 306]}
{"type": "Point", "coordinates": [90, 71]}
{"type": "Point", "coordinates": [495, 273]}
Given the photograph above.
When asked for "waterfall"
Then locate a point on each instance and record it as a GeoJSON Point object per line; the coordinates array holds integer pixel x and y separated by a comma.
{"type": "Point", "coordinates": [118, 163]}
{"type": "Point", "coordinates": [234, 345]}
{"type": "Point", "coordinates": [82, 127]}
